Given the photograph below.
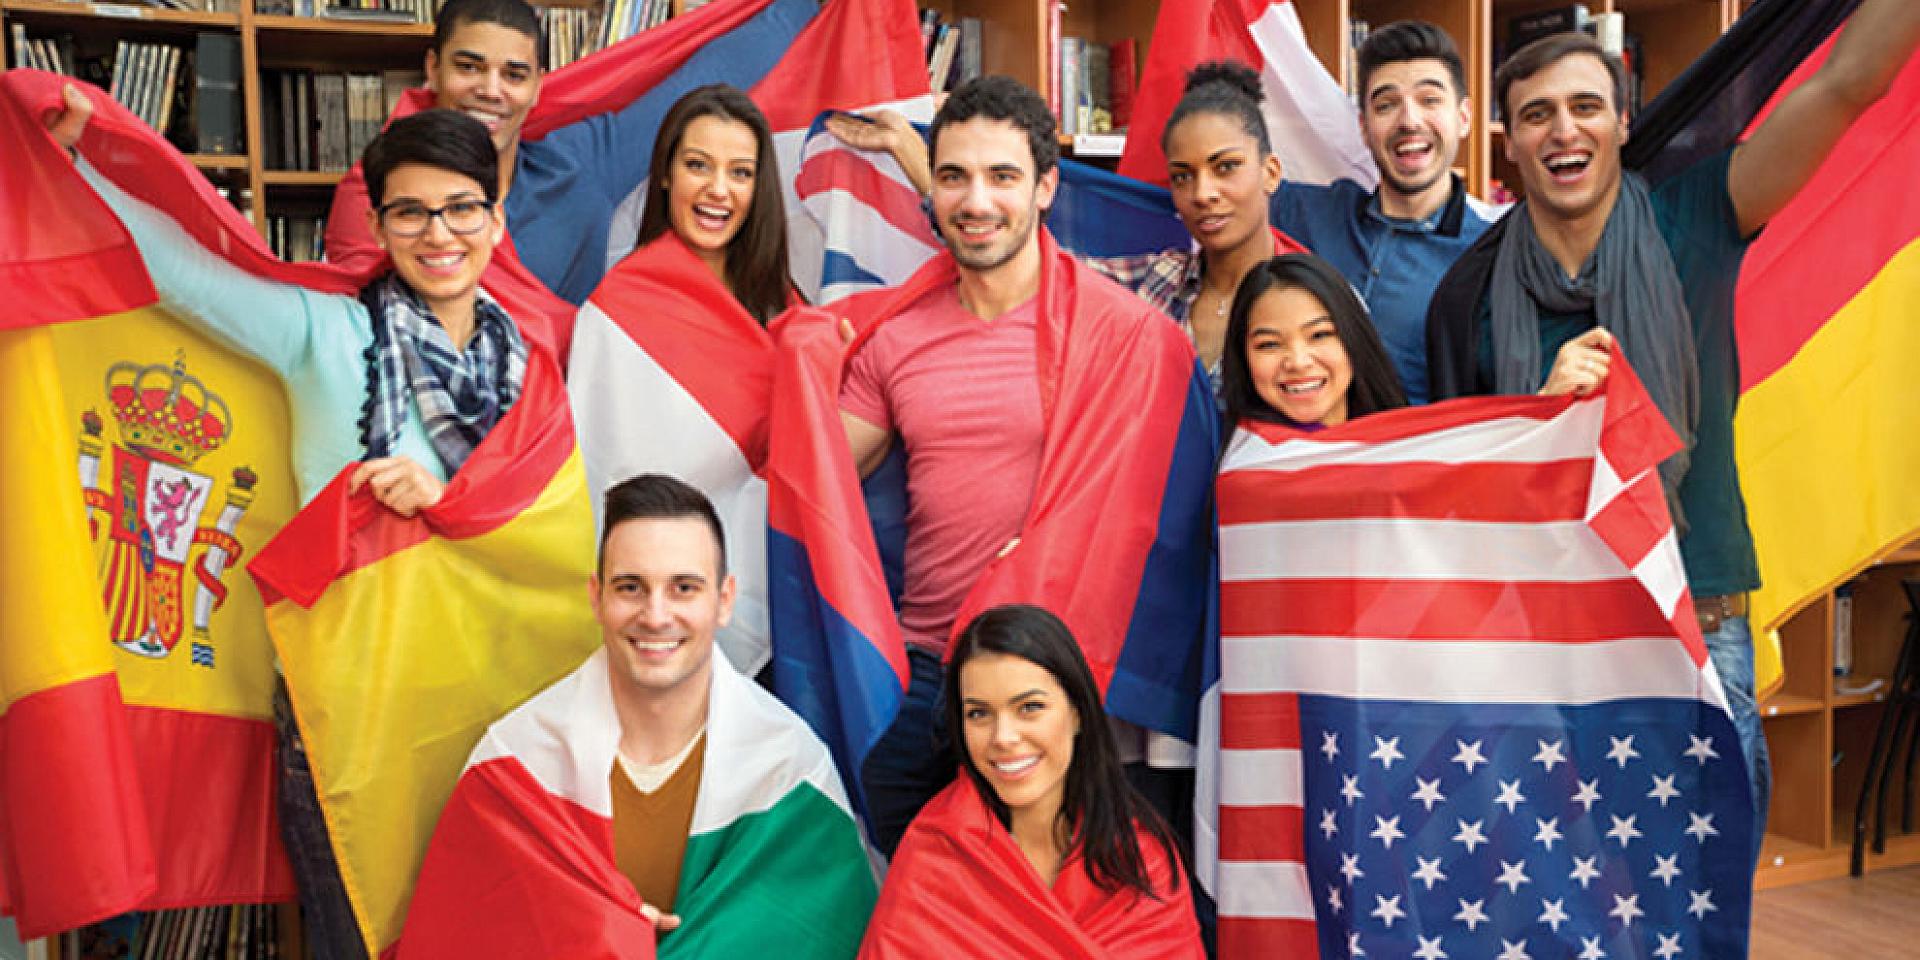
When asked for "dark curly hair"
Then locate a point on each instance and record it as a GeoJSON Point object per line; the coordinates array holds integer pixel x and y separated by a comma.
{"type": "Point", "coordinates": [996, 97]}
{"type": "Point", "coordinates": [1227, 88]}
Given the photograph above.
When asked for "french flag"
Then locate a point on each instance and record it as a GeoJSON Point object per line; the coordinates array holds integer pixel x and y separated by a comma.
{"type": "Point", "coordinates": [1310, 119]}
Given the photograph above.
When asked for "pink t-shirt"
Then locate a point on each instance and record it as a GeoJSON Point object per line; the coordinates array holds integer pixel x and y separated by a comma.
{"type": "Point", "coordinates": [963, 394]}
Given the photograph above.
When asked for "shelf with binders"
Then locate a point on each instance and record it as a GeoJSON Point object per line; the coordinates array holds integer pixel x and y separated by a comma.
{"type": "Point", "coordinates": [90, 15]}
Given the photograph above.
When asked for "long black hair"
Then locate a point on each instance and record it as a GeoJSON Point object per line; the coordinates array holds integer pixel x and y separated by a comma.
{"type": "Point", "coordinates": [757, 255]}
{"type": "Point", "coordinates": [1375, 387]}
{"type": "Point", "coordinates": [1100, 809]}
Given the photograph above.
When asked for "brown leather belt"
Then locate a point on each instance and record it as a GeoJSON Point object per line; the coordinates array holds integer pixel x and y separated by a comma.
{"type": "Point", "coordinates": [1715, 610]}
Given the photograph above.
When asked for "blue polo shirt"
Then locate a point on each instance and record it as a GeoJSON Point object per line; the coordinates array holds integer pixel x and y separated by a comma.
{"type": "Point", "coordinates": [1395, 264]}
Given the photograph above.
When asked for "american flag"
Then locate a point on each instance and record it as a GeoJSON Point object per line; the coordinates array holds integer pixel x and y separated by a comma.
{"type": "Point", "coordinates": [1461, 706]}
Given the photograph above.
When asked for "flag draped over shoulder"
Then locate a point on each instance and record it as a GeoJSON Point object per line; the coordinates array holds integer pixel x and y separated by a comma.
{"type": "Point", "coordinates": [135, 741]}
{"type": "Point", "coordinates": [673, 376]}
{"type": "Point", "coordinates": [960, 887]}
{"type": "Point", "coordinates": [581, 174]}
{"type": "Point", "coordinates": [402, 639]}
{"type": "Point", "coordinates": [665, 344]}
{"type": "Point", "coordinates": [1461, 703]}
{"type": "Point", "coordinates": [523, 863]}
{"type": "Point", "coordinates": [1310, 119]}
{"type": "Point", "coordinates": [1124, 475]}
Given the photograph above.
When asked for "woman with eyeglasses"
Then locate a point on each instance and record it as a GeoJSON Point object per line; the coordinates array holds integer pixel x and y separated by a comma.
{"type": "Point", "coordinates": [408, 377]}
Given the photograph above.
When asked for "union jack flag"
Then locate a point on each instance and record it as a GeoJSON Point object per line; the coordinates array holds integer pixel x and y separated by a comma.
{"type": "Point", "coordinates": [1461, 707]}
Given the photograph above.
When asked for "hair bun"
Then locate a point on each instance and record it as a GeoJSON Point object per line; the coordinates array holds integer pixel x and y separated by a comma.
{"type": "Point", "coordinates": [1232, 74]}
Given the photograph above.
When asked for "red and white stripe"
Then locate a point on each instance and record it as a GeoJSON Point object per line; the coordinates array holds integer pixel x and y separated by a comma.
{"type": "Point", "coordinates": [1499, 550]}
{"type": "Point", "coordinates": [858, 203]}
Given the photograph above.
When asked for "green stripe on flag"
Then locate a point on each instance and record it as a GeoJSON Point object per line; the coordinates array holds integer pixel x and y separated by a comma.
{"type": "Point", "coordinates": [791, 881]}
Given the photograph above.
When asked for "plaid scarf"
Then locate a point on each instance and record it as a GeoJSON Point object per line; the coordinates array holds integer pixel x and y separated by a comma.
{"type": "Point", "coordinates": [461, 394]}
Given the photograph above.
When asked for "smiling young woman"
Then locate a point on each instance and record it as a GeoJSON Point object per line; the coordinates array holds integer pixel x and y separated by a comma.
{"type": "Point", "coordinates": [1043, 843]}
{"type": "Point", "coordinates": [1300, 349]}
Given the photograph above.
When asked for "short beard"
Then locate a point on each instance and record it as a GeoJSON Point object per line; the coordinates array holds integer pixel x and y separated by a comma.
{"type": "Point", "coordinates": [991, 259]}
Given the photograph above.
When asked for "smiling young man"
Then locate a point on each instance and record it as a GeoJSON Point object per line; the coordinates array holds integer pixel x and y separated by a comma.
{"type": "Point", "coordinates": [690, 800]}
{"type": "Point", "coordinates": [954, 367]}
{"type": "Point", "coordinates": [1395, 242]}
{"type": "Point", "coordinates": [1595, 246]}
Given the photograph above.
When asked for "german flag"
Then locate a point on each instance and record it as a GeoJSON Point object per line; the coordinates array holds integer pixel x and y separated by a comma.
{"type": "Point", "coordinates": [1823, 312]}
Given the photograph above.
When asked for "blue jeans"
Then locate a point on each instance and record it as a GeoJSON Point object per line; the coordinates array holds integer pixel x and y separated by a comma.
{"type": "Point", "coordinates": [913, 760]}
{"type": "Point", "coordinates": [332, 932]}
{"type": "Point", "coordinates": [1731, 649]}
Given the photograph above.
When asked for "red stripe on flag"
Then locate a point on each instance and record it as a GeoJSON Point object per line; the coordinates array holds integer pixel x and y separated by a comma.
{"type": "Point", "coordinates": [688, 322]}
{"type": "Point", "coordinates": [1441, 610]}
{"type": "Point", "coordinates": [814, 76]}
{"type": "Point", "coordinates": [1635, 520]}
{"type": "Point", "coordinates": [1259, 721]}
{"type": "Point", "coordinates": [1487, 492]}
{"type": "Point", "coordinates": [1265, 833]}
{"type": "Point", "coordinates": [74, 847]}
{"type": "Point", "coordinates": [1268, 937]}
{"type": "Point", "coordinates": [1410, 422]}
{"type": "Point", "coordinates": [896, 203]}
{"type": "Point", "coordinates": [622, 73]}
{"type": "Point", "coordinates": [208, 786]}
{"type": "Point", "coordinates": [1857, 212]}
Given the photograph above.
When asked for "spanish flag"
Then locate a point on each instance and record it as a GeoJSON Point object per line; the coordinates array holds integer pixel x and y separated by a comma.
{"type": "Point", "coordinates": [403, 639]}
{"type": "Point", "coordinates": [135, 674]}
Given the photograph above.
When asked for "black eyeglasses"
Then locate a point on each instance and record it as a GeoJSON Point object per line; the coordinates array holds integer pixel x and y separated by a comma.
{"type": "Point", "coordinates": [406, 218]}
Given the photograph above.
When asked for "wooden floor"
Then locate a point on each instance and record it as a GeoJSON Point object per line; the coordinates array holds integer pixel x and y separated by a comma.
{"type": "Point", "coordinates": [1866, 919]}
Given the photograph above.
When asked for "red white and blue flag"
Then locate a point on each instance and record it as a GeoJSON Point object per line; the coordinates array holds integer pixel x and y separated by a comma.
{"type": "Point", "coordinates": [1461, 705]}
{"type": "Point", "coordinates": [1310, 119]}
{"type": "Point", "coordinates": [662, 335]}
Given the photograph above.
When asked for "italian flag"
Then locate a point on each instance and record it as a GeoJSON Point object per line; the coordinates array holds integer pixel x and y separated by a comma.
{"type": "Point", "coordinates": [523, 865]}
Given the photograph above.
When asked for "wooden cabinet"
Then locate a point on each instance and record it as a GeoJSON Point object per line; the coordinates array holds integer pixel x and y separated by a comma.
{"type": "Point", "coordinates": [1820, 736]}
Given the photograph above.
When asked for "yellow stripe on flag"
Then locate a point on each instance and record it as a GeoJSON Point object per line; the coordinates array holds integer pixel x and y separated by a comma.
{"type": "Point", "coordinates": [401, 665]}
{"type": "Point", "coordinates": [1828, 457]}
{"type": "Point", "coordinates": [235, 676]}
{"type": "Point", "coordinates": [52, 629]}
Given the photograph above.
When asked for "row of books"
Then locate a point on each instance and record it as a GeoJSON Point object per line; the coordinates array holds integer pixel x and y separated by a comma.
{"type": "Point", "coordinates": [296, 237]}
{"type": "Point", "coordinates": [144, 76]}
{"type": "Point", "coordinates": [324, 121]}
{"type": "Point", "coordinates": [43, 53]}
{"type": "Point", "coordinates": [238, 932]}
{"type": "Point", "coordinates": [952, 49]}
{"type": "Point", "coordinates": [378, 11]}
{"type": "Point", "coordinates": [570, 33]}
{"type": "Point", "coordinates": [623, 18]}
{"type": "Point", "coordinates": [1095, 85]}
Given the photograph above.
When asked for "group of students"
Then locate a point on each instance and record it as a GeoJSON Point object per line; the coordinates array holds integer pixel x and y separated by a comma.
{"type": "Point", "coordinates": [408, 377]}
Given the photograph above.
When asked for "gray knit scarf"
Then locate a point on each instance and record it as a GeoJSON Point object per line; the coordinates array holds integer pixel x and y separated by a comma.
{"type": "Point", "coordinates": [1630, 284]}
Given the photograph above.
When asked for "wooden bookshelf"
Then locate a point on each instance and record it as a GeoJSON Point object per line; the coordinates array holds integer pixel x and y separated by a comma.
{"type": "Point", "coordinates": [267, 42]}
{"type": "Point", "coordinates": [1819, 738]}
